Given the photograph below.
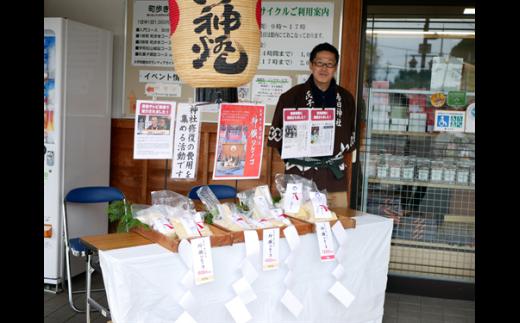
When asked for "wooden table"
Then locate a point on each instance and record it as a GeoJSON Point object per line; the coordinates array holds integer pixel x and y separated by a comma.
{"type": "Point", "coordinates": [114, 241]}
{"type": "Point", "coordinates": [106, 242]}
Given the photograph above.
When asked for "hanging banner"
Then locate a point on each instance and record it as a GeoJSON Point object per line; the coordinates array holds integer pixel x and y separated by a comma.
{"type": "Point", "coordinates": [290, 30]}
{"type": "Point", "coordinates": [217, 43]}
{"type": "Point", "coordinates": [186, 152]}
{"type": "Point", "coordinates": [153, 136]}
{"type": "Point", "coordinates": [240, 141]}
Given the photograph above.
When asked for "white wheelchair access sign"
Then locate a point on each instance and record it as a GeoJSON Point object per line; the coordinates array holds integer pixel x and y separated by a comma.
{"type": "Point", "coordinates": [449, 120]}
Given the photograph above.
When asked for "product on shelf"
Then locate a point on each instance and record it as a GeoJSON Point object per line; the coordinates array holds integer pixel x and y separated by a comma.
{"type": "Point", "coordinates": [226, 215]}
{"type": "Point", "coordinates": [394, 166]}
{"type": "Point", "coordinates": [382, 166]}
{"type": "Point", "coordinates": [437, 169]}
{"type": "Point", "coordinates": [408, 168]}
{"type": "Point", "coordinates": [417, 122]}
{"type": "Point", "coordinates": [174, 222]}
{"type": "Point", "coordinates": [398, 124]}
{"type": "Point", "coordinates": [260, 203]}
{"type": "Point", "coordinates": [449, 171]}
{"type": "Point", "coordinates": [423, 169]}
{"type": "Point", "coordinates": [472, 174]}
{"type": "Point", "coordinates": [380, 117]}
{"type": "Point", "coordinates": [302, 199]}
{"type": "Point", "coordinates": [463, 169]}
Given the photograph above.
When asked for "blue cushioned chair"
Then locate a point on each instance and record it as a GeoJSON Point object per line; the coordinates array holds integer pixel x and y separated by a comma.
{"type": "Point", "coordinates": [220, 191]}
{"type": "Point", "coordinates": [90, 194]}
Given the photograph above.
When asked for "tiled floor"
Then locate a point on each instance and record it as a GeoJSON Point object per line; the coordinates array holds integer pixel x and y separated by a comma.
{"type": "Point", "coordinates": [399, 308]}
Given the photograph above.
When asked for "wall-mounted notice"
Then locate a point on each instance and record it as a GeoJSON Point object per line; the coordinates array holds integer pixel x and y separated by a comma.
{"type": "Point", "coordinates": [162, 89]}
{"type": "Point", "coordinates": [290, 30]}
{"type": "Point", "coordinates": [151, 34]}
{"type": "Point", "coordinates": [153, 136]}
{"type": "Point", "coordinates": [186, 152]}
{"type": "Point", "coordinates": [267, 89]}
{"type": "Point", "coordinates": [244, 93]}
{"type": "Point", "coordinates": [240, 141]}
{"type": "Point", "coordinates": [446, 73]}
{"type": "Point", "coordinates": [147, 76]}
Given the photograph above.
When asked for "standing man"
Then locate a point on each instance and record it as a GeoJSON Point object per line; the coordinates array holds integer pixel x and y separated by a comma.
{"type": "Point", "coordinates": [320, 91]}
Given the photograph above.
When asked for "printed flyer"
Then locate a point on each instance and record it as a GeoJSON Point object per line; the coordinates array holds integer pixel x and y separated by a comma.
{"type": "Point", "coordinates": [295, 132]}
{"type": "Point", "coordinates": [240, 141]}
{"type": "Point", "coordinates": [308, 132]}
{"type": "Point", "coordinates": [153, 137]}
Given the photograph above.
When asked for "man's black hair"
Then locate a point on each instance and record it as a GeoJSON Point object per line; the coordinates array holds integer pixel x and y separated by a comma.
{"type": "Point", "coordinates": [324, 47]}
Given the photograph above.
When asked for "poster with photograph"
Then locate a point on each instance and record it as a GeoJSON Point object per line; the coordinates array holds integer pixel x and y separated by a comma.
{"type": "Point", "coordinates": [295, 132]}
{"type": "Point", "coordinates": [187, 136]}
{"type": "Point", "coordinates": [153, 137]}
{"type": "Point", "coordinates": [322, 132]}
{"type": "Point", "coordinates": [308, 132]}
{"type": "Point", "coordinates": [240, 141]}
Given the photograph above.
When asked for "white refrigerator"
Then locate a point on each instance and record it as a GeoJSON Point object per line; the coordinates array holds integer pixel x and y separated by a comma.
{"type": "Point", "coordinates": [77, 116]}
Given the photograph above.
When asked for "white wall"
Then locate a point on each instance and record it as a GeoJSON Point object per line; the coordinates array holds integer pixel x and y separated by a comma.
{"type": "Point", "coordinates": [106, 14]}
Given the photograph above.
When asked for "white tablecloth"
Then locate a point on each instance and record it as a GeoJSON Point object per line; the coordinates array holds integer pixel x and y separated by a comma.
{"type": "Point", "coordinates": [143, 284]}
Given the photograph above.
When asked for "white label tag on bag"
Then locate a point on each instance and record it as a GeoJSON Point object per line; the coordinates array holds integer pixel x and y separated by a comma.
{"type": "Point", "coordinates": [319, 205]}
{"type": "Point", "coordinates": [293, 198]}
{"type": "Point", "coordinates": [252, 243]}
{"type": "Point", "coordinates": [202, 261]}
{"type": "Point", "coordinates": [271, 246]}
{"type": "Point", "coordinates": [324, 235]}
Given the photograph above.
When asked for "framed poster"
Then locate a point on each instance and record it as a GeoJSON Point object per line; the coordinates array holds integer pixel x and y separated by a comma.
{"type": "Point", "coordinates": [240, 141]}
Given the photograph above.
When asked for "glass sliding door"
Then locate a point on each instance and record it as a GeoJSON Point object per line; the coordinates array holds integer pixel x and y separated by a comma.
{"type": "Point", "coordinates": [417, 148]}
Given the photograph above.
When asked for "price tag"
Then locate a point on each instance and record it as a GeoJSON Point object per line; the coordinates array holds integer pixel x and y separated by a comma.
{"type": "Point", "coordinates": [271, 246]}
{"type": "Point", "coordinates": [293, 198]}
{"type": "Point", "coordinates": [202, 261]}
{"type": "Point", "coordinates": [319, 205]}
{"type": "Point", "coordinates": [324, 236]}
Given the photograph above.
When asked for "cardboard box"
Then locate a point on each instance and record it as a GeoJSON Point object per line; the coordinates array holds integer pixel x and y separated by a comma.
{"type": "Point", "coordinates": [394, 127]}
{"type": "Point", "coordinates": [399, 121]}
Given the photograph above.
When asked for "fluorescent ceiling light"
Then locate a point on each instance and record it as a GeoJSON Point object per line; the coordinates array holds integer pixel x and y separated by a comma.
{"type": "Point", "coordinates": [469, 11]}
{"type": "Point", "coordinates": [420, 33]}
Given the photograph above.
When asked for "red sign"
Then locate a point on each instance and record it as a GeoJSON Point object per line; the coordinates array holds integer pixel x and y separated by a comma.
{"type": "Point", "coordinates": [240, 141]}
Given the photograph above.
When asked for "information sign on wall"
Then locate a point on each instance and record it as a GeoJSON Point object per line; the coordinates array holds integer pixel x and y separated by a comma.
{"type": "Point", "coordinates": [290, 30]}
{"type": "Point", "coordinates": [151, 30]}
{"type": "Point", "coordinates": [267, 89]}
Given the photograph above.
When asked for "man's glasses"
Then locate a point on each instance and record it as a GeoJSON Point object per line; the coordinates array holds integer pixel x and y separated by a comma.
{"type": "Point", "coordinates": [322, 64]}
